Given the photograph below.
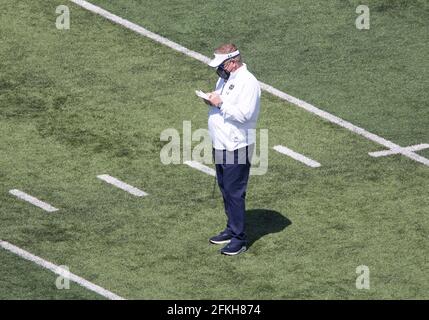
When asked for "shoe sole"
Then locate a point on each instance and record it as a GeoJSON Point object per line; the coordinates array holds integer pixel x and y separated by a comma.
{"type": "Point", "coordinates": [219, 242]}
{"type": "Point", "coordinates": [234, 253]}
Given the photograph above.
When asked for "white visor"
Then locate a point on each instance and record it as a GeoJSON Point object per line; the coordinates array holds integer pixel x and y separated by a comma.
{"type": "Point", "coordinates": [221, 57]}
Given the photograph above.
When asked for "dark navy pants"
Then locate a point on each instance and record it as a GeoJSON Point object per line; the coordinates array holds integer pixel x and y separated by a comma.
{"type": "Point", "coordinates": [232, 172]}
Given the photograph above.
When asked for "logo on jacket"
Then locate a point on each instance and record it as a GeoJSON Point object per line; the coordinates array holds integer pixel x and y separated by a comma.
{"type": "Point", "coordinates": [231, 87]}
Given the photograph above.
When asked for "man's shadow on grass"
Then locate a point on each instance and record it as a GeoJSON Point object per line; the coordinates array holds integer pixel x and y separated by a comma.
{"type": "Point", "coordinates": [260, 222]}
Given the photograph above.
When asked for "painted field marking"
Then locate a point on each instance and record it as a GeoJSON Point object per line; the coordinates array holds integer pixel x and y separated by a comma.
{"type": "Point", "coordinates": [297, 156]}
{"type": "Point", "coordinates": [282, 95]}
{"type": "Point", "coordinates": [201, 167]}
{"type": "Point", "coordinates": [384, 153]}
{"type": "Point", "coordinates": [34, 201]}
{"type": "Point", "coordinates": [122, 185]}
{"type": "Point", "coordinates": [58, 270]}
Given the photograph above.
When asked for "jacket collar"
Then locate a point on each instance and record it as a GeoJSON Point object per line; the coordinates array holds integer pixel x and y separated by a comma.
{"type": "Point", "coordinates": [236, 72]}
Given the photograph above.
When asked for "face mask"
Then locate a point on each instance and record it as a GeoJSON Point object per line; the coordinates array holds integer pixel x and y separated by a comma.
{"type": "Point", "coordinates": [221, 72]}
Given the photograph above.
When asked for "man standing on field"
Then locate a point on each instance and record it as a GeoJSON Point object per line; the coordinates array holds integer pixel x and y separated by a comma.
{"type": "Point", "coordinates": [233, 113]}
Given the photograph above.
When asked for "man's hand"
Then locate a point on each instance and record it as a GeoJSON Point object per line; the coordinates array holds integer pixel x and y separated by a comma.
{"type": "Point", "coordinates": [207, 102]}
{"type": "Point", "coordinates": [215, 99]}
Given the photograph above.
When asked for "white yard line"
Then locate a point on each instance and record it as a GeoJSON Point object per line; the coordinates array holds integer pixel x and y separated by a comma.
{"type": "Point", "coordinates": [418, 147]}
{"type": "Point", "coordinates": [58, 270]}
{"type": "Point", "coordinates": [34, 201]}
{"type": "Point", "coordinates": [297, 156]}
{"type": "Point", "coordinates": [300, 103]}
{"type": "Point", "coordinates": [122, 185]}
{"type": "Point", "coordinates": [201, 167]}
{"type": "Point", "coordinates": [139, 29]}
{"type": "Point", "coordinates": [384, 153]}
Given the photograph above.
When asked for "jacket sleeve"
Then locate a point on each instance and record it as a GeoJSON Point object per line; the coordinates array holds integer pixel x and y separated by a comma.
{"type": "Point", "coordinates": [247, 106]}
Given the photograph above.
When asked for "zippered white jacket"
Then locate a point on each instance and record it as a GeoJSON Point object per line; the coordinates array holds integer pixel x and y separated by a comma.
{"type": "Point", "coordinates": [233, 125]}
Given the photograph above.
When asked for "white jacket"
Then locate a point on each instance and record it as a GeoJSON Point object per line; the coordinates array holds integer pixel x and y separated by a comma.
{"type": "Point", "coordinates": [233, 126]}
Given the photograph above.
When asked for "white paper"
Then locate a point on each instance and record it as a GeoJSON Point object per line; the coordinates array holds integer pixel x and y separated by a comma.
{"type": "Point", "coordinates": [201, 94]}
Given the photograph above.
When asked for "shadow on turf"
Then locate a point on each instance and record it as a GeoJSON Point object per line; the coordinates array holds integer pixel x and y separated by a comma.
{"type": "Point", "coordinates": [260, 222]}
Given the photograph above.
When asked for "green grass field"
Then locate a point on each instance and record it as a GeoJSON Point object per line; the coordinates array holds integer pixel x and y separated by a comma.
{"type": "Point", "coordinates": [94, 99]}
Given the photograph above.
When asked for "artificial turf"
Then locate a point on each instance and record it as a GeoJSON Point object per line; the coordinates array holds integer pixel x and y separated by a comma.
{"type": "Point", "coordinates": [94, 99]}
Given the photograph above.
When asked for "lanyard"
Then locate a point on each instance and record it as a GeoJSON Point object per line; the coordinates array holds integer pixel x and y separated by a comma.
{"type": "Point", "coordinates": [223, 86]}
